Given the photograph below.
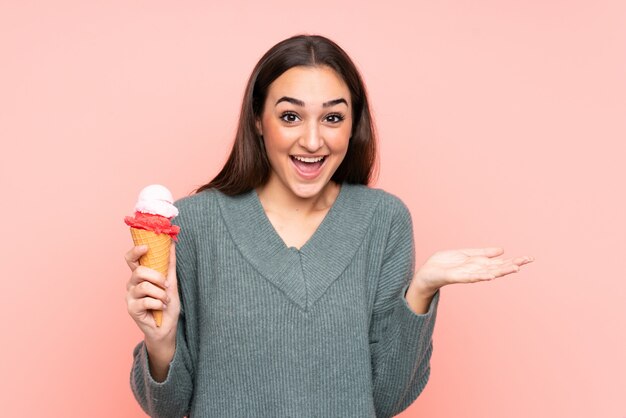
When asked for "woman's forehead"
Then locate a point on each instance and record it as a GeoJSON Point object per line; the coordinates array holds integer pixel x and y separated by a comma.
{"type": "Point", "coordinates": [311, 85]}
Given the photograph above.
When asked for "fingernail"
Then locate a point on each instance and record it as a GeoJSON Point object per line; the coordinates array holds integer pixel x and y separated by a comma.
{"type": "Point", "coordinates": [164, 306]}
{"type": "Point", "coordinates": [166, 283]}
{"type": "Point", "coordinates": [142, 247]}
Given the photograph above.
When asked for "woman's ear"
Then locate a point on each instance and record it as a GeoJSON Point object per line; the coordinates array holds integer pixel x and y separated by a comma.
{"type": "Point", "coordinates": [259, 127]}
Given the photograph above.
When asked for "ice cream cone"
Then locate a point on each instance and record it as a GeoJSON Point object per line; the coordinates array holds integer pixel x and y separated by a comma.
{"type": "Point", "coordinates": [157, 257]}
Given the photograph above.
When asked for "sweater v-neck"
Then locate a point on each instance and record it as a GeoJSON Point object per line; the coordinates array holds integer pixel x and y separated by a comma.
{"type": "Point", "coordinates": [304, 274]}
{"type": "Point", "coordinates": [271, 230]}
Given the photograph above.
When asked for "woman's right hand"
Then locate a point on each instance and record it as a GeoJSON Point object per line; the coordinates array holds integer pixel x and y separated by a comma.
{"type": "Point", "coordinates": [147, 289]}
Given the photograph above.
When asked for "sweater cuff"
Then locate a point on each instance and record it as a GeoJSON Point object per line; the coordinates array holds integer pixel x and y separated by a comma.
{"type": "Point", "coordinates": [170, 396]}
{"type": "Point", "coordinates": [174, 364]}
{"type": "Point", "coordinates": [417, 329]}
{"type": "Point", "coordinates": [409, 315]}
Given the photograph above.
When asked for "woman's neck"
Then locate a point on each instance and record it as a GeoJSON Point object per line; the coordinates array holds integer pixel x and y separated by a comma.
{"type": "Point", "coordinates": [277, 198]}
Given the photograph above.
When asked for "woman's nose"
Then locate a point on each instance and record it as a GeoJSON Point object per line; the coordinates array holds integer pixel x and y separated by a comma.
{"type": "Point", "coordinates": [312, 139]}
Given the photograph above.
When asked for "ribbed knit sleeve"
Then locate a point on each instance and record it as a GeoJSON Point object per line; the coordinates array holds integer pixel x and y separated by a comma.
{"type": "Point", "coordinates": [400, 339]}
{"type": "Point", "coordinates": [170, 398]}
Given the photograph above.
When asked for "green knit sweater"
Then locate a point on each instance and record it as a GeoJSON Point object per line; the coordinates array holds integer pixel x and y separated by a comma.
{"type": "Point", "coordinates": [268, 330]}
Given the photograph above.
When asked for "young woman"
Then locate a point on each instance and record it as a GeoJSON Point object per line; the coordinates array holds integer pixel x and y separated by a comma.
{"type": "Point", "coordinates": [292, 290]}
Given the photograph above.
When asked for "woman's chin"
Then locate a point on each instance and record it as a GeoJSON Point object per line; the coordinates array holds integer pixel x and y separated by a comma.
{"type": "Point", "coordinates": [308, 191]}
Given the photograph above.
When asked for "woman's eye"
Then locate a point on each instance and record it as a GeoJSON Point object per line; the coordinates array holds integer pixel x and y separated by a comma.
{"type": "Point", "coordinates": [289, 117]}
{"type": "Point", "coordinates": [335, 118]}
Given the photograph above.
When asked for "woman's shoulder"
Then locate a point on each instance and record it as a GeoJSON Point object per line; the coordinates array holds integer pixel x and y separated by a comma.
{"type": "Point", "coordinates": [195, 200]}
{"type": "Point", "coordinates": [385, 201]}
{"type": "Point", "coordinates": [196, 206]}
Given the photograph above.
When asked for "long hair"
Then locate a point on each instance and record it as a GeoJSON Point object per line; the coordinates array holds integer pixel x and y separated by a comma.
{"type": "Point", "coordinates": [247, 166]}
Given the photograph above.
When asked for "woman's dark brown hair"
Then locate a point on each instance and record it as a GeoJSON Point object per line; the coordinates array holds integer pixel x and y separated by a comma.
{"type": "Point", "coordinates": [247, 166]}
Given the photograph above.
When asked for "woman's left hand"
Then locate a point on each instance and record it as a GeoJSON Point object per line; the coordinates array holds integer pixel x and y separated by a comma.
{"type": "Point", "coordinates": [467, 265]}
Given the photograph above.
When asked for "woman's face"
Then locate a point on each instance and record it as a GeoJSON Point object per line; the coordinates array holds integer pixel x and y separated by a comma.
{"type": "Point", "coordinates": [306, 125]}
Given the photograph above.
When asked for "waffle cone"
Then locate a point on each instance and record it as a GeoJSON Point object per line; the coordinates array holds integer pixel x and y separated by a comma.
{"type": "Point", "coordinates": [157, 257]}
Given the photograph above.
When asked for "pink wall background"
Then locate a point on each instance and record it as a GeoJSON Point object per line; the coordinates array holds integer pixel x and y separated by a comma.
{"type": "Point", "coordinates": [501, 123]}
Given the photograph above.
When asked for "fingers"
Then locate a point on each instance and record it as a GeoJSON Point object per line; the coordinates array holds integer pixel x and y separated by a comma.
{"type": "Point", "coordinates": [138, 308]}
{"type": "Point", "coordinates": [484, 275]}
{"type": "Point", "coordinates": [509, 266]}
{"type": "Point", "coordinates": [147, 290]}
{"type": "Point", "coordinates": [144, 297]}
{"type": "Point", "coordinates": [517, 261]}
{"type": "Point", "coordinates": [143, 273]}
{"type": "Point", "coordinates": [482, 270]}
{"type": "Point", "coordinates": [504, 270]}
{"type": "Point", "coordinates": [133, 255]}
{"type": "Point", "coordinates": [524, 260]}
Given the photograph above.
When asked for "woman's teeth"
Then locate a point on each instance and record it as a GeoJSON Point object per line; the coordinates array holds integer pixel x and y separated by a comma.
{"type": "Point", "coordinates": [308, 167]}
{"type": "Point", "coordinates": [308, 159]}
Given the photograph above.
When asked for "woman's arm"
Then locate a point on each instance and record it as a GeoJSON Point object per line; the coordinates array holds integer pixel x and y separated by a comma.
{"type": "Point", "coordinates": [400, 339]}
{"type": "Point", "coordinates": [162, 373]}
{"type": "Point", "coordinates": [160, 356]}
{"type": "Point", "coordinates": [171, 396]}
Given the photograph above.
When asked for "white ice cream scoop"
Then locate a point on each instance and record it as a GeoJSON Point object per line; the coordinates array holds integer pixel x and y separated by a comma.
{"type": "Point", "coordinates": [157, 200]}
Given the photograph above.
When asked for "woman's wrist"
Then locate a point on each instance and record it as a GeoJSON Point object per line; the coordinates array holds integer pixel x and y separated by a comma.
{"type": "Point", "coordinates": [419, 288]}
{"type": "Point", "coordinates": [160, 355]}
{"type": "Point", "coordinates": [418, 305]}
{"type": "Point", "coordinates": [419, 296]}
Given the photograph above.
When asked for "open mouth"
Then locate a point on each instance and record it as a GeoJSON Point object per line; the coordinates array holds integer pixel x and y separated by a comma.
{"type": "Point", "coordinates": [308, 166]}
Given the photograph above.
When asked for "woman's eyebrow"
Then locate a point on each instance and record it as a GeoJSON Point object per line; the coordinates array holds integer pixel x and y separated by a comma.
{"type": "Point", "coordinates": [301, 103]}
